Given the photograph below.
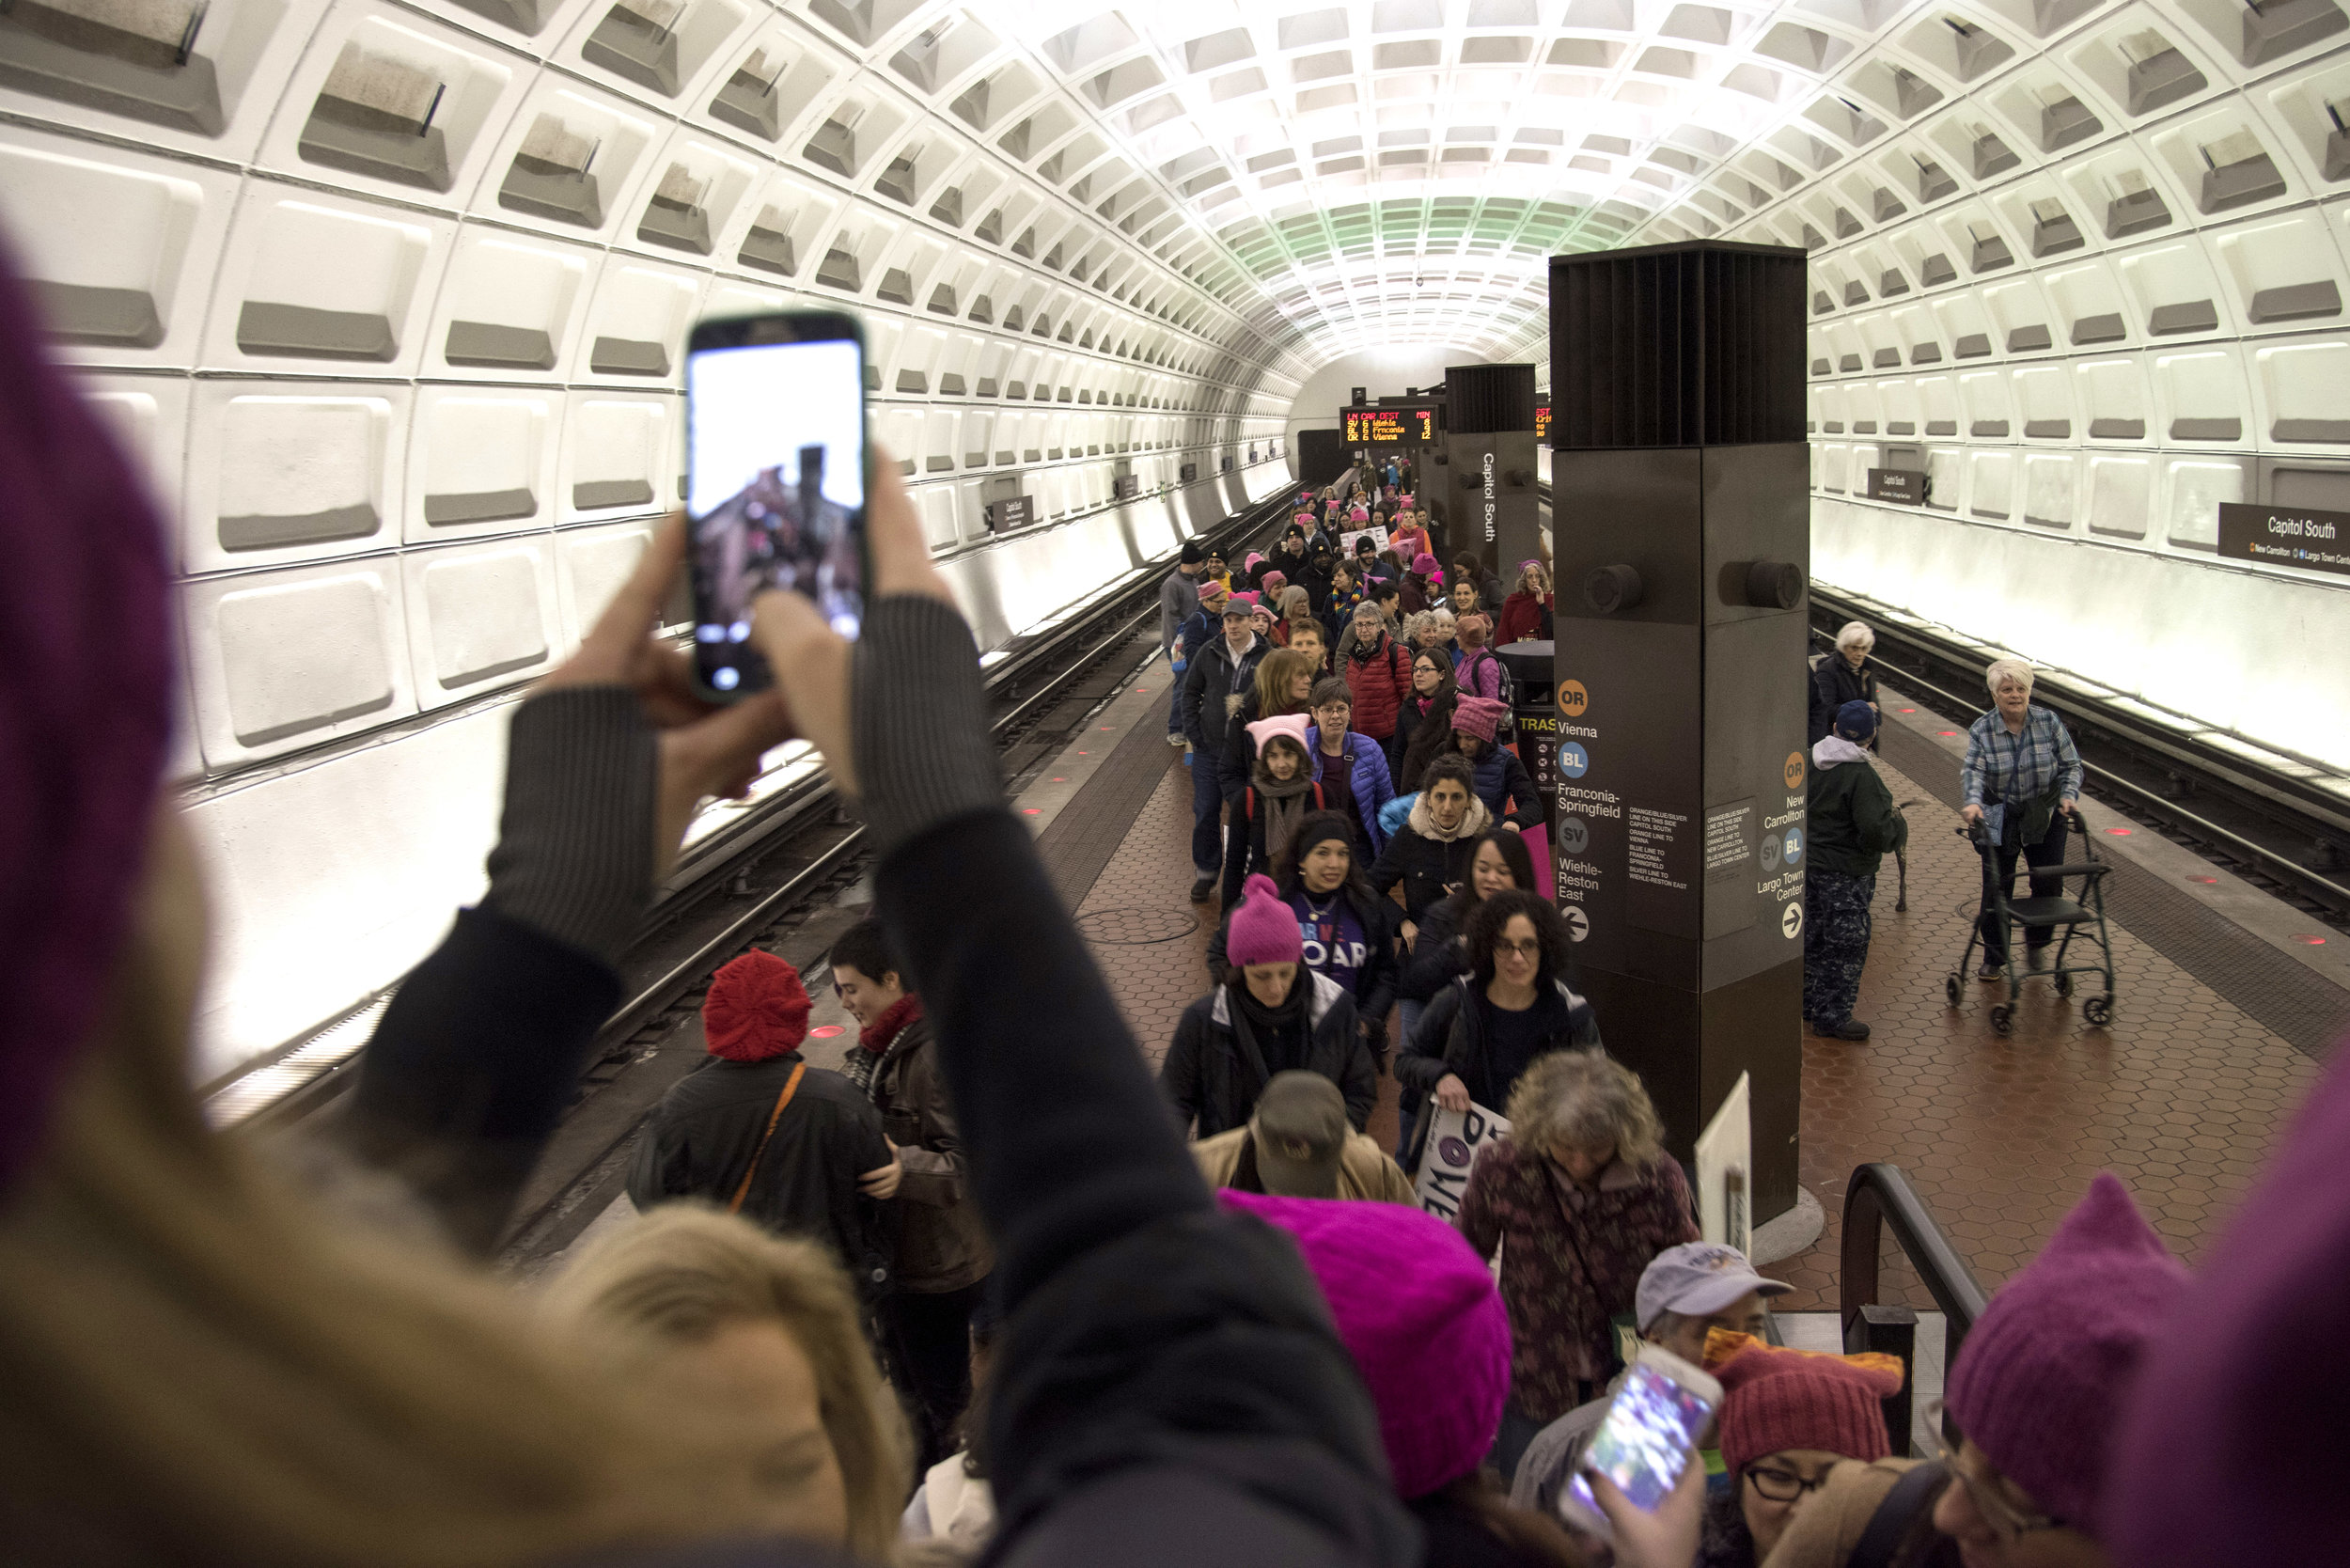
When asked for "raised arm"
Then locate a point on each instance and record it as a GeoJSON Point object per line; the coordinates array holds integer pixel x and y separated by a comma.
{"type": "Point", "coordinates": [1216, 1414]}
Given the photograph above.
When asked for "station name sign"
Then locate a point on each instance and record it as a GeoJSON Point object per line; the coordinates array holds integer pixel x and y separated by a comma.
{"type": "Point", "coordinates": [1905, 486]}
{"type": "Point", "coordinates": [2285, 536]}
{"type": "Point", "coordinates": [1412, 425]}
{"type": "Point", "coordinates": [1013, 511]}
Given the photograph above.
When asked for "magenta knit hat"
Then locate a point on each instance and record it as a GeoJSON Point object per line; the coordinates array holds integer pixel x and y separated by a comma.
{"type": "Point", "coordinates": [1244, 602]}
{"type": "Point", "coordinates": [1775, 1399]}
{"type": "Point", "coordinates": [85, 705]}
{"type": "Point", "coordinates": [1423, 563]}
{"type": "Point", "coordinates": [1263, 930]}
{"type": "Point", "coordinates": [1416, 1308]}
{"type": "Point", "coordinates": [2221, 1460]}
{"type": "Point", "coordinates": [2040, 1382]}
{"type": "Point", "coordinates": [1479, 717]}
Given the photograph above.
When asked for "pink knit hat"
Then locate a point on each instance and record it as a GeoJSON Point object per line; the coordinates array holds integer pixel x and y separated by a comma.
{"type": "Point", "coordinates": [1251, 559]}
{"type": "Point", "coordinates": [1291, 725]}
{"type": "Point", "coordinates": [2220, 1459]}
{"type": "Point", "coordinates": [1244, 603]}
{"type": "Point", "coordinates": [1424, 563]}
{"type": "Point", "coordinates": [1775, 1399]}
{"type": "Point", "coordinates": [2040, 1382]}
{"type": "Point", "coordinates": [86, 716]}
{"type": "Point", "coordinates": [1479, 717]}
{"type": "Point", "coordinates": [1416, 1308]}
{"type": "Point", "coordinates": [1272, 580]}
{"type": "Point", "coordinates": [1263, 928]}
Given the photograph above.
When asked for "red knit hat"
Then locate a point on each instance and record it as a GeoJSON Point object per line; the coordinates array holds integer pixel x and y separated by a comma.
{"type": "Point", "coordinates": [1774, 1399]}
{"type": "Point", "coordinates": [756, 1009]}
{"type": "Point", "coordinates": [1479, 717]}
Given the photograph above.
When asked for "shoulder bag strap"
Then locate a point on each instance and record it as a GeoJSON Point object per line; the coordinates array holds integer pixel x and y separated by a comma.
{"type": "Point", "coordinates": [1903, 1506]}
{"type": "Point", "coordinates": [791, 1088]}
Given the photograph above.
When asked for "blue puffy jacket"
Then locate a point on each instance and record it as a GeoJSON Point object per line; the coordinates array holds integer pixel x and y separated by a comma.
{"type": "Point", "coordinates": [1368, 780]}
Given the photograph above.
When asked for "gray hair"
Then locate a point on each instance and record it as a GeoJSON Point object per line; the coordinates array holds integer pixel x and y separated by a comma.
{"type": "Point", "coordinates": [1584, 1099]}
{"type": "Point", "coordinates": [1855, 635]}
{"type": "Point", "coordinates": [1414, 624]}
{"type": "Point", "coordinates": [2007, 669]}
{"type": "Point", "coordinates": [1369, 610]}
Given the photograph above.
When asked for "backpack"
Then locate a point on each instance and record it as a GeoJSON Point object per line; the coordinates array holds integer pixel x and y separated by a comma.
{"type": "Point", "coordinates": [1506, 733]}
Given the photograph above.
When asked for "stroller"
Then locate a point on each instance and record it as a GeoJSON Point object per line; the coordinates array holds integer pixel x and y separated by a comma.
{"type": "Point", "coordinates": [2077, 917]}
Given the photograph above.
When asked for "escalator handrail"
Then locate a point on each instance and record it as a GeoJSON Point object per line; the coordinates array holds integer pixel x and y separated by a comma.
{"type": "Point", "coordinates": [1877, 1197]}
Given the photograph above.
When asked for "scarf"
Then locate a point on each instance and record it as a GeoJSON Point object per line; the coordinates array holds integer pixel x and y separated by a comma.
{"type": "Point", "coordinates": [1278, 1031]}
{"type": "Point", "coordinates": [1283, 804]}
{"type": "Point", "coordinates": [1473, 821]}
{"type": "Point", "coordinates": [876, 1038]}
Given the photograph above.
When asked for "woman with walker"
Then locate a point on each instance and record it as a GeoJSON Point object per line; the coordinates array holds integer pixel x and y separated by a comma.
{"type": "Point", "coordinates": [2021, 781]}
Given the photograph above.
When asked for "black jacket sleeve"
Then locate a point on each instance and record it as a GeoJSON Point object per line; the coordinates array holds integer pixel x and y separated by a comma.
{"type": "Point", "coordinates": [473, 1062]}
{"type": "Point", "coordinates": [1823, 701]}
{"type": "Point", "coordinates": [1194, 686]}
{"type": "Point", "coordinates": [1421, 1063]}
{"type": "Point", "coordinates": [1375, 994]}
{"type": "Point", "coordinates": [1217, 963]}
{"type": "Point", "coordinates": [1388, 868]}
{"type": "Point", "coordinates": [1360, 1084]}
{"type": "Point", "coordinates": [1240, 752]}
{"type": "Point", "coordinates": [1435, 958]}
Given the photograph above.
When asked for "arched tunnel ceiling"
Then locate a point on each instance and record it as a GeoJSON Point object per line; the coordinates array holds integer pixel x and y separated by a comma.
{"type": "Point", "coordinates": [1393, 171]}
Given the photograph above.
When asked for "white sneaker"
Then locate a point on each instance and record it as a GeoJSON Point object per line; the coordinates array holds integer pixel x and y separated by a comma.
{"type": "Point", "coordinates": [1177, 741]}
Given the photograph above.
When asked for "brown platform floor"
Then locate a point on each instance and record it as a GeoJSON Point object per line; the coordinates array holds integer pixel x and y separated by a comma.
{"type": "Point", "coordinates": [2181, 1096]}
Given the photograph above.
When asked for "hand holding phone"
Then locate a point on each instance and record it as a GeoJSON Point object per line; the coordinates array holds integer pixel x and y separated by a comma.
{"type": "Point", "coordinates": [1648, 1439]}
{"type": "Point", "coordinates": [776, 480]}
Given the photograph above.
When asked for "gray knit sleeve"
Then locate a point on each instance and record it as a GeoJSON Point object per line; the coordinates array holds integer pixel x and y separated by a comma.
{"type": "Point", "coordinates": [920, 718]}
{"type": "Point", "coordinates": [574, 853]}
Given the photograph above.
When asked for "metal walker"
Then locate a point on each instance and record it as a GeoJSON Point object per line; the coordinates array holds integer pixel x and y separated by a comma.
{"type": "Point", "coordinates": [2037, 913]}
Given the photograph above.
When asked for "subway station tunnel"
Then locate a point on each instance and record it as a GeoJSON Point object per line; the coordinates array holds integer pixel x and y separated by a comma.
{"type": "Point", "coordinates": [389, 300]}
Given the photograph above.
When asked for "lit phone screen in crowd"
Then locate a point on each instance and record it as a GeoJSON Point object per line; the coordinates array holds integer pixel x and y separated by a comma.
{"type": "Point", "coordinates": [1646, 1439]}
{"type": "Point", "coordinates": [774, 493]}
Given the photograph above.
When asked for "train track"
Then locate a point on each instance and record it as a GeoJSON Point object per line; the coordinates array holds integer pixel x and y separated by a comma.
{"type": "Point", "coordinates": [769, 876]}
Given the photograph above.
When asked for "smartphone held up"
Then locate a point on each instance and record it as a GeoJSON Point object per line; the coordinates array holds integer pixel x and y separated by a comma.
{"type": "Point", "coordinates": [775, 487]}
{"type": "Point", "coordinates": [1647, 1438]}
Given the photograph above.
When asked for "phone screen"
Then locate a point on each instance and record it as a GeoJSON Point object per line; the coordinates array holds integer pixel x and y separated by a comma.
{"type": "Point", "coordinates": [1646, 1439]}
{"type": "Point", "coordinates": [774, 493]}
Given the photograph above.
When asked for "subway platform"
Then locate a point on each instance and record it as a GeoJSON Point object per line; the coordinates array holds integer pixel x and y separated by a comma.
{"type": "Point", "coordinates": [2227, 1000]}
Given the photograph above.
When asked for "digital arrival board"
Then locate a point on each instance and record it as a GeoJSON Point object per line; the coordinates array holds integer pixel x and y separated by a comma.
{"type": "Point", "coordinates": [1408, 425]}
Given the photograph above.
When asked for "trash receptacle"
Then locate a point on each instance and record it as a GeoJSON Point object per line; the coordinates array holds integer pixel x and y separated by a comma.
{"type": "Point", "coordinates": [1531, 667]}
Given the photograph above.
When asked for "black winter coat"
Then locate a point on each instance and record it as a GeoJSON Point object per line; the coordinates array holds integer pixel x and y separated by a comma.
{"type": "Point", "coordinates": [1419, 737]}
{"type": "Point", "coordinates": [702, 1135]}
{"type": "Point", "coordinates": [1207, 682]}
{"type": "Point", "coordinates": [1451, 1038]}
{"type": "Point", "coordinates": [1214, 1072]}
{"type": "Point", "coordinates": [1375, 982]}
{"type": "Point", "coordinates": [1428, 867]}
{"type": "Point", "coordinates": [1834, 682]}
{"type": "Point", "coordinates": [1436, 960]}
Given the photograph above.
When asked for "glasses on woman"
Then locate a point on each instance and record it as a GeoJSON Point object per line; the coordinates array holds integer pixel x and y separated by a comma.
{"type": "Point", "coordinates": [1518, 950]}
{"type": "Point", "coordinates": [1783, 1486]}
{"type": "Point", "coordinates": [1991, 1494]}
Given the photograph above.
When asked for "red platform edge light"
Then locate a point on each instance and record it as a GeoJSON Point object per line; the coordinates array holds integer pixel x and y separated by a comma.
{"type": "Point", "coordinates": [2119, 832]}
{"type": "Point", "coordinates": [2206, 881]}
{"type": "Point", "coordinates": [1946, 731]}
{"type": "Point", "coordinates": [1029, 812]}
{"type": "Point", "coordinates": [2311, 939]}
{"type": "Point", "coordinates": [824, 1032]}
{"type": "Point", "coordinates": [1909, 710]}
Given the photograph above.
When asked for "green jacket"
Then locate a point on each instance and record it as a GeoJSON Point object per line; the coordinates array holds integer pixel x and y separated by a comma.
{"type": "Point", "coordinates": [1852, 819]}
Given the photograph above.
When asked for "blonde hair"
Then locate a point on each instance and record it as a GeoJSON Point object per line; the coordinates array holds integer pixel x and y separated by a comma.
{"type": "Point", "coordinates": [1585, 1100]}
{"type": "Point", "coordinates": [683, 1271]}
{"type": "Point", "coordinates": [1279, 670]}
{"type": "Point", "coordinates": [1294, 603]}
{"type": "Point", "coordinates": [205, 1365]}
{"type": "Point", "coordinates": [2007, 669]}
{"type": "Point", "coordinates": [1857, 635]}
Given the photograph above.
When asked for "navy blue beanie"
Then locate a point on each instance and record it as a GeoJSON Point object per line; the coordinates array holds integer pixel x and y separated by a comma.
{"type": "Point", "coordinates": [1856, 721]}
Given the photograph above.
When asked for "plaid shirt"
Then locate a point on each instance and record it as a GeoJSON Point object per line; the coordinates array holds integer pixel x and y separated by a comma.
{"type": "Point", "coordinates": [2014, 770]}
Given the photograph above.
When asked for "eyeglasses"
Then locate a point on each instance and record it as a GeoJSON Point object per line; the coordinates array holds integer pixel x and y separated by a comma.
{"type": "Point", "coordinates": [1987, 1492]}
{"type": "Point", "coordinates": [1519, 950]}
{"type": "Point", "coordinates": [1784, 1486]}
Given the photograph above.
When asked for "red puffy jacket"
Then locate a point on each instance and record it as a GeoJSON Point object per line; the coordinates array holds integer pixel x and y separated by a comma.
{"type": "Point", "coordinates": [1379, 678]}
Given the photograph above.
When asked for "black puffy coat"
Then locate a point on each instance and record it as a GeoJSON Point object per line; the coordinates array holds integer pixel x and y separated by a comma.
{"type": "Point", "coordinates": [1451, 1038]}
{"type": "Point", "coordinates": [1834, 682]}
{"type": "Point", "coordinates": [1427, 865]}
{"type": "Point", "coordinates": [1214, 1072]}
{"type": "Point", "coordinates": [702, 1135]}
